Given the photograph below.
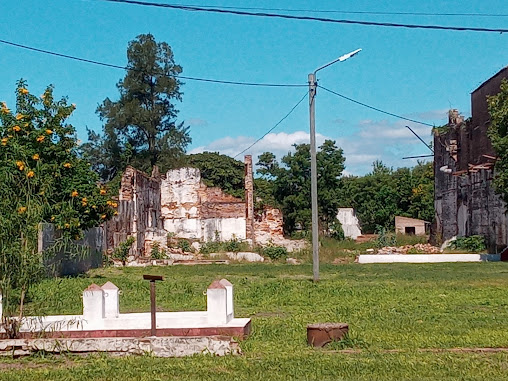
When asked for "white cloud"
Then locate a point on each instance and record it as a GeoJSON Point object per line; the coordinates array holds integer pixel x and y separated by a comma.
{"type": "Point", "coordinates": [369, 141]}
{"type": "Point", "coordinates": [279, 143]}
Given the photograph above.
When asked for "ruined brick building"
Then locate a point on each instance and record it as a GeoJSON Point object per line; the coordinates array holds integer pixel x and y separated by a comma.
{"type": "Point", "coordinates": [465, 200]}
{"type": "Point", "coordinates": [179, 203]}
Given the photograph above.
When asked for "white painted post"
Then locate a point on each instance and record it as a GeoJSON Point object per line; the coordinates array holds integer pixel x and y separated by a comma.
{"type": "Point", "coordinates": [216, 303]}
{"type": "Point", "coordinates": [1, 307]}
{"type": "Point", "coordinates": [111, 300]}
{"type": "Point", "coordinates": [229, 299]}
{"type": "Point", "coordinates": [93, 303]}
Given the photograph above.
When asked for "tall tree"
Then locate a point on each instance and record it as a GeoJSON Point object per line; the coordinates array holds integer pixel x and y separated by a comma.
{"type": "Point", "coordinates": [290, 184]}
{"type": "Point", "coordinates": [498, 133]}
{"type": "Point", "coordinates": [140, 128]}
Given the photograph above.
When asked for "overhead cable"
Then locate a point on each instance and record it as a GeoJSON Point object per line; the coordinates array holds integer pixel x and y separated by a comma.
{"type": "Point", "coordinates": [374, 108]}
{"type": "Point", "coordinates": [307, 18]}
{"type": "Point", "coordinates": [273, 128]}
{"type": "Point", "coordinates": [355, 12]}
{"type": "Point", "coordinates": [225, 82]}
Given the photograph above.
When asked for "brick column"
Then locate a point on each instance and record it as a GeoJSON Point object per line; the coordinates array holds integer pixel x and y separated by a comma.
{"type": "Point", "coordinates": [249, 199]}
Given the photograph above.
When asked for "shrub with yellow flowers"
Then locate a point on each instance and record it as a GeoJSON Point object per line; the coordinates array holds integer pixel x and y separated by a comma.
{"type": "Point", "coordinates": [43, 180]}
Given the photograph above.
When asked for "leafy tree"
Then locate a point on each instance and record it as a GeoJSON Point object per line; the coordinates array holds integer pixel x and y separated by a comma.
{"type": "Point", "coordinates": [220, 171]}
{"type": "Point", "coordinates": [140, 128]}
{"type": "Point", "coordinates": [384, 193]}
{"type": "Point", "coordinates": [498, 133]}
{"type": "Point", "coordinates": [43, 180]}
{"type": "Point", "coordinates": [290, 183]}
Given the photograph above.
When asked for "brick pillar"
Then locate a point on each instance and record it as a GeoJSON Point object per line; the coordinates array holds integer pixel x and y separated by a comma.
{"type": "Point", "coordinates": [249, 199]}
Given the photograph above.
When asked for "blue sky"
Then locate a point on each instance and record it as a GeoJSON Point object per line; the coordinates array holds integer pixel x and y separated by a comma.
{"type": "Point", "coordinates": [416, 73]}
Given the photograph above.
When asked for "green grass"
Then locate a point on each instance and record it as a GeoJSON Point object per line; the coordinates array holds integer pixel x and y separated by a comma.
{"type": "Point", "coordinates": [388, 307]}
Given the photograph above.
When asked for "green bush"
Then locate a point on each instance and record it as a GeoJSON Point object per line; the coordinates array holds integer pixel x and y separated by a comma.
{"type": "Point", "coordinates": [157, 252]}
{"type": "Point", "coordinates": [474, 243]}
{"type": "Point", "coordinates": [184, 245]}
{"type": "Point", "coordinates": [121, 252]}
{"type": "Point", "coordinates": [275, 252]}
{"type": "Point", "coordinates": [385, 238]}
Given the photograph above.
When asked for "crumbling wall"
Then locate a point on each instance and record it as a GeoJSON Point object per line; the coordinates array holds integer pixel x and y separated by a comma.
{"type": "Point", "coordinates": [138, 210]}
{"type": "Point", "coordinates": [268, 226]}
{"type": "Point", "coordinates": [465, 200]}
{"type": "Point", "coordinates": [150, 207]}
{"type": "Point", "coordinates": [192, 210]}
{"type": "Point", "coordinates": [349, 222]}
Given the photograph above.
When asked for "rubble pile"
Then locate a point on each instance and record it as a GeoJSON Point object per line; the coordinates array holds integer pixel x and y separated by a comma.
{"type": "Point", "coordinates": [419, 248]}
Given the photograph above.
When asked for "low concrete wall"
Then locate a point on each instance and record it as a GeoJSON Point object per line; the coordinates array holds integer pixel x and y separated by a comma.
{"type": "Point", "coordinates": [156, 346]}
{"type": "Point", "coordinates": [427, 258]}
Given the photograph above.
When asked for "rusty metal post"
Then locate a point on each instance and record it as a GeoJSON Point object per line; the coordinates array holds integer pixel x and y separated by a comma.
{"type": "Point", "coordinates": [153, 306]}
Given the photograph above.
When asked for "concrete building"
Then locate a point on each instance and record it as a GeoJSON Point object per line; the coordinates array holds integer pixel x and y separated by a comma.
{"type": "Point", "coordinates": [411, 226]}
{"type": "Point", "coordinates": [349, 222]}
{"type": "Point", "coordinates": [465, 200]}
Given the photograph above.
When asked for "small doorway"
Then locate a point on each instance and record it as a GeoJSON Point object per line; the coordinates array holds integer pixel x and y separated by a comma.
{"type": "Point", "coordinates": [410, 230]}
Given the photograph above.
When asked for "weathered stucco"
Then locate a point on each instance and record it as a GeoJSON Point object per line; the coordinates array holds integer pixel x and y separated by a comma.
{"type": "Point", "coordinates": [178, 202]}
{"type": "Point", "coordinates": [464, 198]}
{"type": "Point", "coordinates": [349, 222]}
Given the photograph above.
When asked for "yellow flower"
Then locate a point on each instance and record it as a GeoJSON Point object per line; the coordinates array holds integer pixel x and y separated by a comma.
{"type": "Point", "coordinates": [4, 141]}
{"type": "Point", "coordinates": [5, 110]}
{"type": "Point", "coordinates": [20, 165]}
{"type": "Point", "coordinates": [115, 213]}
{"type": "Point", "coordinates": [52, 218]}
{"type": "Point", "coordinates": [103, 216]}
{"type": "Point", "coordinates": [16, 128]}
{"type": "Point", "coordinates": [67, 165]}
{"type": "Point", "coordinates": [114, 205]}
{"type": "Point", "coordinates": [67, 226]}
{"type": "Point", "coordinates": [22, 209]}
{"type": "Point", "coordinates": [103, 192]}
{"type": "Point", "coordinates": [49, 132]}
{"type": "Point", "coordinates": [30, 174]}
{"type": "Point", "coordinates": [109, 202]}
{"type": "Point", "coordinates": [23, 91]}
{"type": "Point", "coordinates": [36, 156]}
{"type": "Point", "coordinates": [3, 104]}
{"type": "Point", "coordinates": [84, 201]}
{"type": "Point", "coordinates": [19, 116]}
{"type": "Point", "coordinates": [74, 193]}
{"type": "Point", "coordinates": [41, 138]}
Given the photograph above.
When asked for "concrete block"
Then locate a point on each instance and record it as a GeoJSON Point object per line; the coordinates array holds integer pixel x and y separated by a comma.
{"type": "Point", "coordinates": [111, 300]}
{"type": "Point", "coordinates": [93, 303]}
{"type": "Point", "coordinates": [216, 303]}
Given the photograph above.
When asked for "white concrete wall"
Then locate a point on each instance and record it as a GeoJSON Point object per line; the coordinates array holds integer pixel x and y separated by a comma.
{"type": "Point", "coordinates": [426, 258]}
{"type": "Point", "coordinates": [205, 229]}
{"type": "Point", "coordinates": [219, 313]}
{"type": "Point", "coordinates": [179, 193]}
{"type": "Point", "coordinates": [349, 222]}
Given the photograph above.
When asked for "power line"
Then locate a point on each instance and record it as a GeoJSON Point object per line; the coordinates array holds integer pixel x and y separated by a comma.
{"type": "Point", "coordinates": [420, 139]}
{"type": "Point", "coordinates": [355, 12]}
{"type": "Point", "coordinates": [374, 108]}
{"type": "Point", "coordinates": [273, 128]}
{"type": "Point", "coordinates": [308, 18]}
{"type": "Point", "coordinates": [224, 82]}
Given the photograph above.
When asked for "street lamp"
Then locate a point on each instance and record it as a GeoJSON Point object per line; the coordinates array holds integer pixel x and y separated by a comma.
{"type": "Point", "coordinates": [313, 165]}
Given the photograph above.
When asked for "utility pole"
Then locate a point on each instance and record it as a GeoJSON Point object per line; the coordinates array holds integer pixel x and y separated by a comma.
{"type": "Point", "coordinates": [313, 176]}
{"type": "Point", "coordinates": [313, 163]}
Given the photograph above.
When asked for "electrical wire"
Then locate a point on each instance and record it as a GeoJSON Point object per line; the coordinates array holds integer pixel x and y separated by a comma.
{"type": "Point", "coordinates": [273, 128]}
{"type": "Point", "coordinates": [355, 12]}
{"type": "Point", "coordinates": [374, 108]}
{"type": "Point", "coordinates": [224, 82]}
{"type": "Point", "coordinates": [308, 18]}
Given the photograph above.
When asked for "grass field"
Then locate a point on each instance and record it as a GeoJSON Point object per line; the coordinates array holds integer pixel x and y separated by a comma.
{"type": "Point", "coordinates": [406, 322]}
